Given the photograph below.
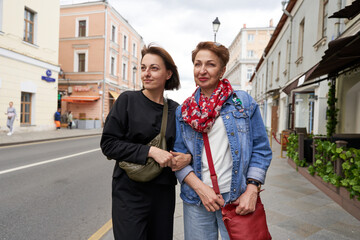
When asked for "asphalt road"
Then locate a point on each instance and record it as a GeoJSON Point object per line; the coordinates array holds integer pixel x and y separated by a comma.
{"type": "Point", "coordinates": [54, 190]}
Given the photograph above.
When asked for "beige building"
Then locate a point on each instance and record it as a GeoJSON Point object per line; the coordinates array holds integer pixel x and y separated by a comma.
{"type": "Point", "coordinates": [29, 43]}
{"type": "Point", "coordinates": [245, 52]}
{"type": "Point", "coordinates": [99, 54]}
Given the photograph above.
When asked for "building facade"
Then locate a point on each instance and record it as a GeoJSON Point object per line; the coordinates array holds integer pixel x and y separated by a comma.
{"type": "Point", "coordinates": [245, 52]}
{"type": "Point", "coordinates": [29, 45]}
{"type": "Point", "coordinates": [99, 54]}
{"type": "Point", "coordinates": [282, 83]}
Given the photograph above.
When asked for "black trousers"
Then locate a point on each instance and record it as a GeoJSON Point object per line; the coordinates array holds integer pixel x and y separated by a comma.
{"type": "Point", "coordinates": [142, 211]}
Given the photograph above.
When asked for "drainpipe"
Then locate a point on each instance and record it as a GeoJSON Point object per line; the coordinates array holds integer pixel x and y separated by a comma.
{"type": "Point", "coordinates": [288, 63]}
{"type": "Point", "coordinates": [105, 58]}
{"type": "Point", "coordinates": [266, 81]}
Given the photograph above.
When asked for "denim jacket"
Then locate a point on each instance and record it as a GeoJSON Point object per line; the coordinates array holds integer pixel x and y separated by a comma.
{"type": "Point", "coordinates": [249, 145]}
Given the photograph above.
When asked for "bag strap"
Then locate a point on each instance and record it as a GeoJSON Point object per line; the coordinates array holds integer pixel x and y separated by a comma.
{"type": "Point", "coordinates": [164, 119]}
{"type": "Point", "coordinates": [211, 164]}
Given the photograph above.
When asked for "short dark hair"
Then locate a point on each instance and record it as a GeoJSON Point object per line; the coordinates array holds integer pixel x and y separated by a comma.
{"type": "Point", "coordinates": [221, 51]}
{"type": "Point", "coordinates": [174, 81]}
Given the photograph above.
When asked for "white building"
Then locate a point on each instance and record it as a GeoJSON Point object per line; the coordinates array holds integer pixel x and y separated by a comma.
{"type": "Point", "coordinates": [245, 52]}
{"type": "Point", "coordinates": [29, 43]}
{"type": "Point", "coordinates": [284, 84]}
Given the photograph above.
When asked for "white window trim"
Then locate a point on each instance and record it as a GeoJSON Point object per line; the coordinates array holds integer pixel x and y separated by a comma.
{"type": "Point", "coordinates": [126, 48]}
{"type": "Point", "coordinates": [77, 26]}
{"type": "Point", "coordinates": [116, 33]}
{"type": "Point", "coordinates": [134, 46]}
{"type": "Point", "coordinates": [35, 26]}
{"type": "Point", "coordinates": [124, 72]}
{"type": "Point", "coordinates": [112, 55]}
{"type": "Point", "coordinates": [76, 60]}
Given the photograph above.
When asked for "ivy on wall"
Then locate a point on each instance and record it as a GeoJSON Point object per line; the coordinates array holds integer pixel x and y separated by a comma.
{"type": "Point", "coordinates": [332, 111]}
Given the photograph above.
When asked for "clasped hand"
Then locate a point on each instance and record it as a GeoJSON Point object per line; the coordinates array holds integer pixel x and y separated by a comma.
{"type": "Point", "coordinates": [174, 160]}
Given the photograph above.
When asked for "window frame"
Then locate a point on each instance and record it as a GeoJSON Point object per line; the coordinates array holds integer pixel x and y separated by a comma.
{"type": "Point", "coordinates": [77, 28]}
{"type": "Point", "coordinates": [124, 71]}
{"type": "Point", "coordinates": [76, 60]}
{"type": "Point", "coordinates": [114, 34]}
{"type": "Point", "coordinates": [33, 23]}
{"type": "Point", "coordinates": [125, 42]}
{"type": "Point", "coordinates": [23, 113]}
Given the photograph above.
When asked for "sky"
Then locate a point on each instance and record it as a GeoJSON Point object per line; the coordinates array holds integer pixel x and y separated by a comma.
{"type": "Point", "coordinates": [179, 25]}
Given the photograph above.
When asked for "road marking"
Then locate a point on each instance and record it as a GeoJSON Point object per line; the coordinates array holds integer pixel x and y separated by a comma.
{"type": "Point", "coordinates": [47, 161]}
{"type": "Point", "coordinates": [102, 231]}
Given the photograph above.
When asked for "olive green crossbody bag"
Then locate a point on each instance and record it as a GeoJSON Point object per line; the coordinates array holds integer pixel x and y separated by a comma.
{"type": "Point", "coordinates": [151, 169]}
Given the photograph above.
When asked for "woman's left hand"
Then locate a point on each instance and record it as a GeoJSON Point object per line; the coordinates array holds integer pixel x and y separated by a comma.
{"type": "Point", "coordinates": [180, 160]}
{"type": "Point", "coordinates": [247, 200]}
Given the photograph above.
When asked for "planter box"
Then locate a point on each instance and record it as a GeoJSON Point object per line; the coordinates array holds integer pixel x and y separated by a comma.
{"type": "Point", "coordinates": [85, 124]}
{"type": "Point", "coordinates": [340, 195]}
{"type": "Point", "coordinates": [97, 124]}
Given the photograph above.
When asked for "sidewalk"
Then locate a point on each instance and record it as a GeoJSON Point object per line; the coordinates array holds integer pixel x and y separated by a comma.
{"type": "Point", "coordinates": [28, 137]}
{"type": "Point", "coordinates": [295, 208]}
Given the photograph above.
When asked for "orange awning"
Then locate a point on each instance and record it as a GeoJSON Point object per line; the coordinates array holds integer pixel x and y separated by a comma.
{"type": "Point", "coordinates": [80, 99]}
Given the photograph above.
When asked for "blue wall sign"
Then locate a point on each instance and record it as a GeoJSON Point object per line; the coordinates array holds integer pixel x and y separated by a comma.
{"type": "Point", "coordinates": [47, 77]}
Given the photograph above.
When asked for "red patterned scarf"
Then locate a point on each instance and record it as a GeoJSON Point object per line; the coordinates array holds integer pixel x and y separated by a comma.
{"type": "Point", "coordinates": [201, 117]}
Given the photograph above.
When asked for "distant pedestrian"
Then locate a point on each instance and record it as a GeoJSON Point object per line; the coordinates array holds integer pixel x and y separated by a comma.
{"type": "Point", "coordinates": [11, 115]}
{"type": "Point", "coordinates": [70, 119]}
{"type": "Point", "coordinates": [57, 118]}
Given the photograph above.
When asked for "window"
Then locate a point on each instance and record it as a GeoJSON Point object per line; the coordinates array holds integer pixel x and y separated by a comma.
{"type": "Point", "coordinates": [112, 66]}
{"type": "Point", "coordinates": [278, 66]}
{"type": "Point", "coordinates": [249, 73]}
{"type": "Point", "coordinates": [250, 53]}
{"type": "Point", "coordinates": [134, 76]}
{"type": "Point", "coordinates": [250, 37]}
{"type": "Point", "coordinates": [125, 42]}
{"type": "Point", "coordinates": [113, 33]}
{"type": "Point", "coordinates": [124, 72]}
{"type": "Point", "coordinates": [301, 38]}
{"type": "Point", "coordinates": [271, 73]}
{"type": "Point", "coordinates": [25, 117]}
{"type": "Point", "coordinates": [111, 101]}
{"type": "Point", "coordinates": [134, 49]}
{"type": "Point", "coordinates": [29, 19]}
{"type": "Point", "coordinates": [324, 17]}
{"type": "Point", "coordinates": [81, 62]}
{"type": "Point", "coordinates": [82, 27]}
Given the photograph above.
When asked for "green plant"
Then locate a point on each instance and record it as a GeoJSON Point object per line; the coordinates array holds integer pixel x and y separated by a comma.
{"type": "Point", "coordinates": [332, 111]}
{"type": "Point", "coordinates": [351, 169]}
{"type": "Point", "coordinates": [326, 154]}
{"type": "Point", "coordinates": [292, 150]}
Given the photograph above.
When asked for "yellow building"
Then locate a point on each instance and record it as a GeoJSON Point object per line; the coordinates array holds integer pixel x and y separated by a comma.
{"type": "Point", "coordinates": [29, 43]}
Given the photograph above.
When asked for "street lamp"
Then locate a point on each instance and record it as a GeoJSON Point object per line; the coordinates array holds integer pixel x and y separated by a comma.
{"type": "Point", "coordinates": [216, 25]}
{"type": "Point", "coordinates": [134, 76]}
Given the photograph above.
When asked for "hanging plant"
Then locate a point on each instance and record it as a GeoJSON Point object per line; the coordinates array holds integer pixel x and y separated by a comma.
{"type": "Point", "coordinates": [332, 111]}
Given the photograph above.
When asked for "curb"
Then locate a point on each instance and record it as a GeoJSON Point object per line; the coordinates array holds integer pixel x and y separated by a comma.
{"type": "Point", "coordinates": [47, 139]}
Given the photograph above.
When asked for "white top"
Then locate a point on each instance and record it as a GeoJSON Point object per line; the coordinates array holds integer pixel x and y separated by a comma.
{"type": "Point", "coordinates": [221, 154]}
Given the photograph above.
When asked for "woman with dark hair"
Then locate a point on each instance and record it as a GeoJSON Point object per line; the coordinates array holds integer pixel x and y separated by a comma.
{"type": "Point", "coordinates": [239, 146]}
{"type": "Point", "coordinates": [144, 210]}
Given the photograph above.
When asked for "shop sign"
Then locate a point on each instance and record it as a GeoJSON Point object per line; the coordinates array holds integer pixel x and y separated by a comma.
{"type": "Point", "coordinates": [81, 88]}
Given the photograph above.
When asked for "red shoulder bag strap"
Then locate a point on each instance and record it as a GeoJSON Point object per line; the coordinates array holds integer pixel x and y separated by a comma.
{"type": "Point", "coordinates": [210, 163]}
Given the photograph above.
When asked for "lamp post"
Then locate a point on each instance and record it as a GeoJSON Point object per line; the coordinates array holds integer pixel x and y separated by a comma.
{"type": "Point", "coordinates": [216, 25]}
{"type": "Point", "coordinates": [134, 76]}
